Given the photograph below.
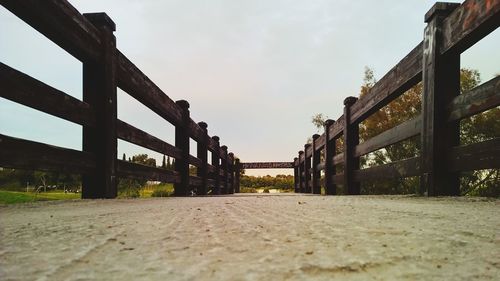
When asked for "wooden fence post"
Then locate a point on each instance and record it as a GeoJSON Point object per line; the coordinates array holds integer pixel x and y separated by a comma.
{"type": "Point", "coordinates": [231, 173]}
{"type": "Point", "coordinates": [316, 174]}
{"type": "Point", "coordinates": [202, 152]}
{"type": "Point", "coordinates": [330, 186]}
{"type": "Point", "coordinates": [441, 82]}
{"type": "Point", "coordinates": [99, 91]}
{"type": "Point", "coordinates": [237, 175]}
{"type": "Point", "coordinates": [301, 174]}
{"type": "Point", "coordinates": [307, 169]}
{"type": "Point", "coordinates": [296, 183]}
{"type": "Point", "coordinates": [216, 164]}
{"type": "Point", "coordinates": [225, 166]}
{"type": "Point", "coordinates": [351, 139]}
{"type": "Point", "coordinates": [182, 142]}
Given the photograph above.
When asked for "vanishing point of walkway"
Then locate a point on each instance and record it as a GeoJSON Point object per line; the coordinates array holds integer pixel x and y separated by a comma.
{"type": "Point", "coordinates": [252, 237]}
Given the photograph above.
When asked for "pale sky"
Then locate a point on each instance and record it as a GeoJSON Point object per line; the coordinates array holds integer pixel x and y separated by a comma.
{"type": "Point", "coordinates": [255, 71]}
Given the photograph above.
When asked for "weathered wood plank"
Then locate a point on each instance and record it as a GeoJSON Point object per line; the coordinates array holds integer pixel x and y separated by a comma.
{"type": "Point", "coordinates": [140, 87]}
{"type": "Point", "coordinates": [441, 84]}
{"type": "Point", "coordinates": [320, 166]}
{"type": "Point", "coordinates": [62, 24]}
{"type": "Point", "coordinates": [483, 97]}
{"type": "Point", "coordinates": [319, 143]}
{"type": "Point", "coordinates": [337, 128]}
{"type": "Point", "coordinates": [482, 155]}
{"type": "Point", "coordinates": [468, 24]}
{"type": "Point", "coordinates": [24, 154]}
{"type": "Point", "coordinates": [127, 169]}
{"type": "Point", "coordinates": [307, 168]}
{"type": "Point", "coordinates": [195, 161]}
{"type": "Point", "coordinates": [316, 174]}
{"type": "Point", "coordinates": [210, 168]}
{"type": "Point", "coordinates": [267, 165]}
{"type": "Point", "coordinates": [196, 132]}
{"type": "Point", "coordinates": [328, 166]}
{"type": "Point", "coordinates": [202, 154]}
{"type": "Point", "coordinates": [338, 159]}
{"type": "Point", "coordinates": [136, 136]}
{"type": "Point", "coordinates": [215, 175]}
{"type": "Point", "coordinates": [399, 133]}
{"type": "Point", "coordinates": [182, 143]}
{"type": "Point", "coordinates": [308, 151]}
{"type": "Point", "coordinates": [21, 88]}
{"type": "Point", "coordinates": [225, 170]}
{"type": "Point", "coordinates": [195, 181]}
{"type": "Point", "coordinates": [403, 76]}
{"type": "Point", "coordinates": [399, 169]}
{"type": "Point", "coordinates": [99, 91]}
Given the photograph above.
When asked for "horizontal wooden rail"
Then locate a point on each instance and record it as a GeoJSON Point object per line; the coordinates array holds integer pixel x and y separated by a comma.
{"type": "Point", "coordinates": [195, 181]}
{"type": "Point", "coordinates": [477, 156]}
{"type": "Point", "coordinates": [21, 88]}
{"type": "Point", "coordinates": [337, 129]}
{"type": "Point", "coordinates": [136, 136]}
{"type": "Point", "coordinates": [139, 86]}
{"type": "Point", "coordinates": [398, 169]}
{"type": "Point", "coordinates": [338, 159]}
{"type": "Point", "coordinates": [483, 97]}
{"type": "Point", "coordinates": [24, 154]}
{"type": "Point", "coordinates": [139, 171]}
{"type": "Point", "coordinates": [398, 80]}
{"type": "Point", "coordinates": [468, 24]}
{"type": "Point", "coordinates": [399, 133]}
{"type": "Point", "coordinates": [195, 161]}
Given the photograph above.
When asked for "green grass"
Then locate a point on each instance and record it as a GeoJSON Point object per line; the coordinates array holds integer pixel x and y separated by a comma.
{"type": "Point", "coordinates": [12, 197]}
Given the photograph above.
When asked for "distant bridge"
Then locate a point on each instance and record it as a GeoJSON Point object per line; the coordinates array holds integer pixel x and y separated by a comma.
{"type": "Point", "coordinates": [267, 165]}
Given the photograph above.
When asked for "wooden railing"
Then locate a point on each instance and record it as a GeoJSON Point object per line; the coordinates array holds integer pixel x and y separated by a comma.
{"type": "Point", "coordinates": [451, 29]}
{"type": "Point", "coordinates": [90, 39]}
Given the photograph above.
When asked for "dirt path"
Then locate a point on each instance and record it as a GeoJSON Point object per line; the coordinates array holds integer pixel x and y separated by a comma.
{"type": "Point", "coordinates": [252, 237]}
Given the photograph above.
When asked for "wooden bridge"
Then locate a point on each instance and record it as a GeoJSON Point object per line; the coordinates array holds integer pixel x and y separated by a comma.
{"type": "Point", "coordinates": [451, 29]}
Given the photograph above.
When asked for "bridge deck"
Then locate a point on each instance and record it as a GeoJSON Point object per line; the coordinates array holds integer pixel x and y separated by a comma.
{"type": "Point", "coordinates": [250, 237]}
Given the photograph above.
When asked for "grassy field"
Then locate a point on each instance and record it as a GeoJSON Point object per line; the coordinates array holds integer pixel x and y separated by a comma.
{"type": "Point", "coordinates": [11, 197]}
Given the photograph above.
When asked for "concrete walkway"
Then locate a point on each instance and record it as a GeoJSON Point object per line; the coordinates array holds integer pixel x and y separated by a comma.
{"type": "Point", "coordinates": [252, 237]}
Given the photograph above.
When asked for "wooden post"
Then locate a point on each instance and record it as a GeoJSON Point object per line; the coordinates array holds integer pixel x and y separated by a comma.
{"type": "Point", "coordinates": [237, 175]}
{"type": "Point", "coordinates": [231, 173]}
{"type": "Point", "coordinates": [316, 174]}
{"type": "Point", "coordinates": [300, 169]}
{"type": "Point", "coordinates": [441, 83]}
{"type": "Point", "coordinates": [307, 169]}
{"type": "Point", "coordinates": [225, 167]}
{"type": "Point", "coordinates": [330, 186]}
{"type": "Point", "coordinates": [202, 154]}
{"type": "Point", "coordinates": [351, 139]}
{"type": "Point", "coordinates": [296, 183]}
{"type": "Point", "coordinates": [99, 91]}
{"type": "Point", "coordinates": [182, 142]}
{"type": "Point", "coordinates": [216, 164]}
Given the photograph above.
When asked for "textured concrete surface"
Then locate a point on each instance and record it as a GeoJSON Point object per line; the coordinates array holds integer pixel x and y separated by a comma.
{"type": "Point", "coordinates": [252, 237]}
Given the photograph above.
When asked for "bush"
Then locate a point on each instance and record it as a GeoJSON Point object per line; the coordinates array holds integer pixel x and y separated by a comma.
{"type": "Point", "coordinates": [129, 188]}
{"type": "Point", "coordinates": [247, 190]}
{"type": "Point", "coordinates": [160, 193]}
{"type": "Point", "coordinates": [163, 190]}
